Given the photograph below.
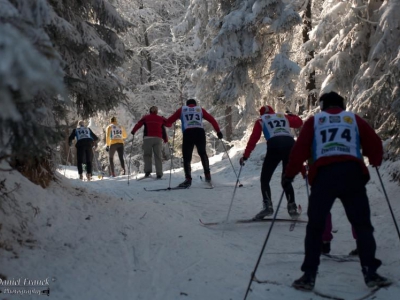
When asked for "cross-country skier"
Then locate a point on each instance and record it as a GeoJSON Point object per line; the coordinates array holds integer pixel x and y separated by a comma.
{"type": "Point", "coordinates": [153, 136]}
{"type": "Point", "coordinates": [334, 139]}
{"type": "Point", "coordinates": [192, 116]}
{"type": "Point", "coordinates": [85, 140]}
{"type": "Point", "coordinates": [115, 135]}
{"type": "Point", "coordinates": [276, 130]}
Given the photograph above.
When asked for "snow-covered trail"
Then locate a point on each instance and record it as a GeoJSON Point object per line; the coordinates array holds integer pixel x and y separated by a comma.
{"type": "Point", "coordinates": [106, 239]}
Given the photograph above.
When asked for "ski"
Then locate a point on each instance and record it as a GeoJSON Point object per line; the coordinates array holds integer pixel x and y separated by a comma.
{"type": "Point", "coordinates": [295, 218]}
{"type": "Point", "coordinates": [322, 294]}
{"type": "Point", "coordinates": [166, 189]}
{"type": "Point", "coordinates": [340, 257]}
{"type": "Point", "coordinates": [246, 221]}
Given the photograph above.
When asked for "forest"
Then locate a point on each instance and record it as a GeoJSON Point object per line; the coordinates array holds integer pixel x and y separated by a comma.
{"type": "Point", "coordinates": [63, 61]}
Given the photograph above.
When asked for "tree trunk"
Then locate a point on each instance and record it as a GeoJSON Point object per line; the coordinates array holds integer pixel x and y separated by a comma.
{"type": "Point", "coordinates": [146, 53]}
{"type": "Point", "coordinates": [310, 87]}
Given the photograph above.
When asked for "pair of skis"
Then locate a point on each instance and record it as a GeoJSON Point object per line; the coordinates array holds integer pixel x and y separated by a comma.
{"type": "Point", "coordinates": [293, 221]}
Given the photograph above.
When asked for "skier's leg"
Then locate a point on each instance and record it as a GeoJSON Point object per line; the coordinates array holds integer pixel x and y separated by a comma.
{"type": "Point", "coordinates": [120, 150]}
{"type": "Point", "coordinates": [111, 153]}
{"type": "Point", "coordinates": [323, 194]}
{"type": "Point", "coordinates": [89, 159]}
{"type": "Point", "coordinates": [200, 143]}
{"type": "Point", "coordinates": [79, 158]}
{"type": "Point", "coordinates": [271, 161]}
{"type": "Point", "coordinates": [147, 156]}
{"type": "Point", "coordinates": [187, 151]}
{"type": "Point", "coordinates": [289, 191]}
{"type": "Point", "coordinates": [157, 149]}
{"type": "Point", "coordinates": [327, 235]}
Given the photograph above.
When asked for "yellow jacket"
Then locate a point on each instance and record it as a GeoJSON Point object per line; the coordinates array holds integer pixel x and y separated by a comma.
{"type": "Point", "coordinates": [115, 134]}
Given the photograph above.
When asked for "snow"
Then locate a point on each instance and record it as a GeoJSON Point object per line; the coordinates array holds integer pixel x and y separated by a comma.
{"type": "Point", "coordinates": [108, 239]}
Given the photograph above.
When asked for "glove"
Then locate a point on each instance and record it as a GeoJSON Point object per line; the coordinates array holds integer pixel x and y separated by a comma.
{"type": "Point", "coordinates": [286, 181]}
{"type": "Point", "coordinates": [108, 148]}
{"type": "Point", "coordinates": [288, 113]}
{"type": "Point", "coordinates": [242, 160]}
{"type": "Point", "coordinates": [220, 135]}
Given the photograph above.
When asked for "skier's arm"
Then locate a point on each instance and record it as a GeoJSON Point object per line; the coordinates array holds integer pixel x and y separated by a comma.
{"type": "Point", "coordinates": [72, 136]}
{"type": "Point", "coordinates": [138, 125]}
{"type": "Point", "coordinates": [301, 150]}
{"type": "Point", "coordinates": [294, 121]}
{"type": "Point", "coordinates": [255, 136]}
{"type": "Point", "coordinates": [108, 134]}
{"type": "Point", "coordinates": [174, 117]}
{"type": "Point", "coordinates": [95, 137]}
{"type": "Point", "coordinates": [210, 119]}
{"type": "Point", "coordinates": [371, 143]}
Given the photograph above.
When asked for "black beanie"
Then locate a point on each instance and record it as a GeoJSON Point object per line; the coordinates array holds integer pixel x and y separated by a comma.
{"type": "Point", "coordinates": [191, 101]}
{"type": "Point", "coordinates": [331, 99]}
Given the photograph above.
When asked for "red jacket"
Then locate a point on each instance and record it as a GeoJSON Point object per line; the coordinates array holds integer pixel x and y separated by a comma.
{"type": "Point", "coordinates": [370, 142]}
{"type": "Point", "coordinates": [206, 116]}
{"type": "Point", "coordinates": [153, 126]}
{"type": "Point", "coordinates": [294, 122]}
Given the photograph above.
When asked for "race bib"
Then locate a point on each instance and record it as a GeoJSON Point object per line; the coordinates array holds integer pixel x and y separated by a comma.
{"type": "Point", "coordinates": [275, 125]}
{"type": "Point", "coordinates": [116, 132]}
{"type": "Point", "coordinates": [82, 133]}
{"type": "Point", "coordinates": [336, 135]}
{"type": "Point", "coordinates": [191, 117]}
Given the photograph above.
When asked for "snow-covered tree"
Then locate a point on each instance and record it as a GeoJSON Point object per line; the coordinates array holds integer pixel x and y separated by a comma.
{"type": "Point", "coordinates": [53, 52]}
{"type": "Point", "coordinates": [356, 46]}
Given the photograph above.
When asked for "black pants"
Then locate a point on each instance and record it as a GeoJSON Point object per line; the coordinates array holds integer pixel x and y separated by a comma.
{"type": "Point", "coordinates": [278, 150]}
{"type": "Point", "coordinates": [119, 147]}
{"type": "Point", "coordinates": [86, 152]}
{"type": "Point", "coordinates": [194, 137]}
{"type": "Point", "coordinates": [345, 181]}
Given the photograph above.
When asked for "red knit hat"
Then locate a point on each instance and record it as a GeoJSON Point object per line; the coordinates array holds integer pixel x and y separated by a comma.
{"type": "Point", "coordinates": [266, 109]}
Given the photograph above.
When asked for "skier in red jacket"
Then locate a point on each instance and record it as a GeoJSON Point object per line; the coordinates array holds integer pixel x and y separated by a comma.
{"type": "Point", "coordinates": [191, 116]}
{"type": "Point", "coordinates": [154, 134]}
{"type": "Point", "coordinates": [276, 130]}
{"type": "Point", "coordinates": [334, 139]}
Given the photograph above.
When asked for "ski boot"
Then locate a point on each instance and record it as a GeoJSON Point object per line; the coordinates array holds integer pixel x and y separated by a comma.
{"type": "Point", "coordinates": [373, 279]}
{"type": "Point", "coordinates": [207, 177]}
{"type": "Point", "coordinates": [187, 183]}
{"type": "Point", "coordinates": [266, 211]}
{"type": "Point", "coordinates": [159, 176]}
{"type": "Point", "coordinates": [326, 247]}
{"type": "Point", "coordinates": [292, 209]}
{"type": "Point", "coordinates": [80, 176]}
{"type": "Point", "coordinates": [305, 282]}
{"type": "Point", "coordinates": [147, 174]}
{"type": "Point", "coordinates": [354, 252]}
{"type": "Point", "coordinates": [89, 177]}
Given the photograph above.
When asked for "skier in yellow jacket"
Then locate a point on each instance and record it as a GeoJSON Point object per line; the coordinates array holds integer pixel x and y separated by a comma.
{"type": "Point", "coordinates": [115, 135]}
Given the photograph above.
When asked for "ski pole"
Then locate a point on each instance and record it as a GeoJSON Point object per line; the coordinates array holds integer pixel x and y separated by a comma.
{"type": "Point", "coordinates": [130, 158]}
{"type": "Point", "coordinates": [387, 199]}
{"type": "Point", "coordinates": [233, 196]}
{"type": "Point", "coordinates": [306, 179]}
{"type": "Point", "coordinates": [172, 155]}
{"type": "Point", "coordinates": [69, 151]}
{"type": "Point", "coordinates": [240, 185]}
{"type": "Point", "coordinates": [263, 247]}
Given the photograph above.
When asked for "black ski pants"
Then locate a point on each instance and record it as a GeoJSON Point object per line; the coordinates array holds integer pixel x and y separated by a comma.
{"type": "Point", "coordinates": [343, 180]}
{"type": "Point", "coordinates": [84, 151]}
{"type": "Point", "coordinates": [278, 150]}
{"type": "Point", "coordinates": [194, 137]}
{"type": "Point", "coordinates": [119, 147]}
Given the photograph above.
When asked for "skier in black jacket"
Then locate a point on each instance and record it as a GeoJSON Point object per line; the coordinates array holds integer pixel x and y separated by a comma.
{"type": "Point", "coordinates": [85, 141]}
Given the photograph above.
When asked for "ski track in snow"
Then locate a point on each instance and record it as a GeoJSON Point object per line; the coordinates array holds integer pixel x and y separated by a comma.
{"type": "Point", "coordinates": [106, 239]}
